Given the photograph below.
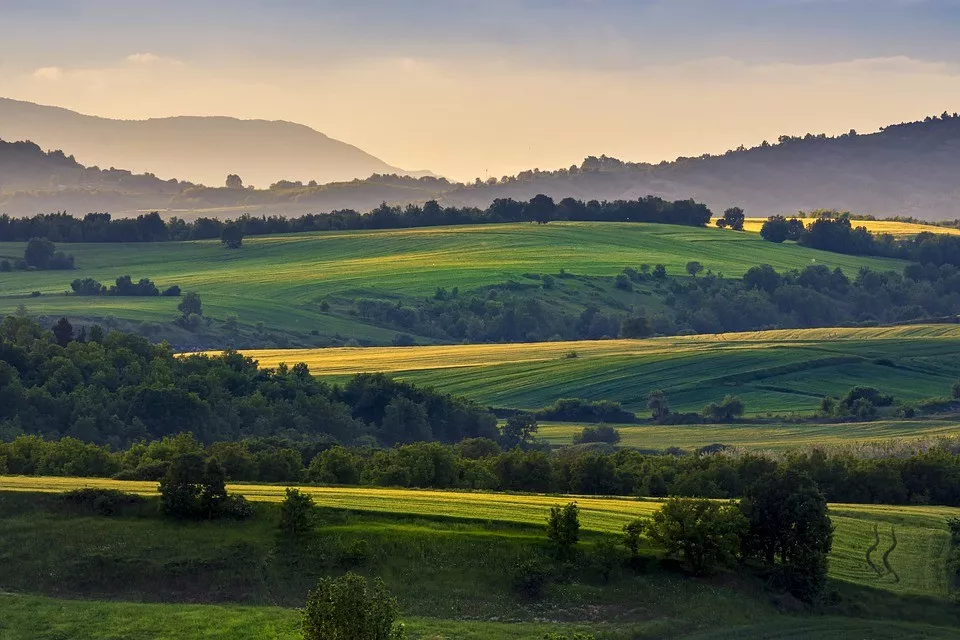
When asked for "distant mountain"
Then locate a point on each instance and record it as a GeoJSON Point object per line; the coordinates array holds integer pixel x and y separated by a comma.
{"type": "Point", "coordinates": [906, 169]}
{"type": "Point", "coordinates": [199, 149]}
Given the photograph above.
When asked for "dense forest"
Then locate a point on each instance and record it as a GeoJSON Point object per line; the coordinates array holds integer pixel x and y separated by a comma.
{"type": "Point", "coordinates": [117, 389]}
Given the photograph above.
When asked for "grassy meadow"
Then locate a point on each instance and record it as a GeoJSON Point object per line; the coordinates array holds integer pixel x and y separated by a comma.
{"type": "Point", "coordinates": [281, 280]}
{"type": "Point", "coordinates": [783, 371]}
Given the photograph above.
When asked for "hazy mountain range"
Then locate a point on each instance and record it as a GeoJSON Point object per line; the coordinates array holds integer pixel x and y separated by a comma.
{"type": "Point", "coordinates": [905, 169]}
{"type": "Point", "coordinates": [198, 149]}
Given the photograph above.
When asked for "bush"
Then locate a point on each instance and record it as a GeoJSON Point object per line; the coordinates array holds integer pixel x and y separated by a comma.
{"type": "Point", "coordinates": [195, 488]}
{"type": "Point", "coordinates": [104, 502]}
{"type": "Point", "coordinates": [956, 391]}
{"type": "Point", "coordinates": [632, 533]}
{"type": "Point", "coordinates": [348, 608]}
{"type": "Point", "coordinates": [953, 524]}
{"type": "Point", "coordinates": [603, 433]}
{"type": "Point", "coordinates": [622, 281]}
{"type": "Point", "coordinates": [530, 578]}
{"type": "Point", "coordinates": [704, 533]}
{"type": "Point", "coordinates": [356, 554]}
{"type": "Point", "coordinates": [563, 526]}
{"type": "Point", "coordinates": [729, 409]}
{"type": "Point", "coordinates": [403, 340]}
{"type": "Point", "coordinates": [295, 512]}
{"type": "Point", "coordinates": [5, 266]}
{"type": "Point", "coordinates": [171, 292]}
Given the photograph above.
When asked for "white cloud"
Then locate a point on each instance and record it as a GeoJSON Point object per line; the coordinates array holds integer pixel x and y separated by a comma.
{"type": "Point", "coordinates": [48, 73]}
{"type": "Point", "coordinates": [145, 57]}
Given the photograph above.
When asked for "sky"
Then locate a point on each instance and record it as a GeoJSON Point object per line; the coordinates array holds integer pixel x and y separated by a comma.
{"type": "Point", "coordinates": [478, 88]}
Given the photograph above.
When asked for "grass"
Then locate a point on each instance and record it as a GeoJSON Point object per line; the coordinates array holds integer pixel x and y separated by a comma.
{"type": "Point", "coordinates": [772, 371]}
{"type": "Point", "coordinates": [772, 436]}
{"type": "Point", "coordinates": [281, 280]}
{"type": "Point", "coordinates": [916, 565]}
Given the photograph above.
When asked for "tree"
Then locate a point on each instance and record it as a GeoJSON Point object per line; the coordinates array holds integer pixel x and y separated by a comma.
{"type": "Point", "coordinates": [659, 272]}
{"type": "Point", "coordinates": [63, 332]}
{"type": "Point", "coordinates": [632, 532]}
{"type": "Point", "coordinates": [636, 327]}
{"type": "Point", "coordinates": [789, 524]}
{"type": "Point", "coordinates": [705, 533]}
{"type": "Point", "coordinates": [190, 304]}
{"type": "Point", "coordinates": [694, 267]}
{"type": "Point", "coordinates": [231, 236]}
{"type": "Point", "coordinates": [348, 608]}
{"type": "Point", "coordinates": [657, 402]}
{"type": "Point", "coordinates": [295, 512]}
{"type": "Point", "coordinates": [540, 209]}
{"type": "Point", "coordinates": [601, 433]}
{"type": "Point", "coordinates": [956, 390]}
{"type": "Point", "coordinates": [775, 229]}
{"type": "Point", "coordinates": [519, 429]}
{"type": "Point", "coordinates": [734, 218]}
{"type": "Point", "coordinates": [727, 410]}
{"type": "Point", "coordinates": [234, 181]}
{"type": "Point", "coordinates": [38, 253]}
{"type": "Point", "coordinates": [563, 527]}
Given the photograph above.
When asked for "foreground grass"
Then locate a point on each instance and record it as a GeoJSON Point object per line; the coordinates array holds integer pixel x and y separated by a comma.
{"type": "Point", "coordinates": [281, 280]}
{"type": "Point", "coordinates": [865, 552]}
{"type": "Point", "coordinates": [778, 371]}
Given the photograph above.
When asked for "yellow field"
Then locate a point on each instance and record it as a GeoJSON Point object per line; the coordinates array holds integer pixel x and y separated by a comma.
{"type": "Point", "coordinates": [900, 229]}
{"type": "Point", "coordinates": [350, 360]}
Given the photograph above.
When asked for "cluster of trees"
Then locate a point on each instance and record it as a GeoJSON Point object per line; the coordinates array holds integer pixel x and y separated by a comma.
{"type": "Point", "coordinates": [125, 286]}
{"type": "Point", "coordinates": [117, 389]}
{"type": "Point", "coordinates": [41, 255]}
{"type": "Point", "coordinates": [580, 410]}
{"type": "Point", "coordinates": [101, 227]}
{"type": "Point", "coordinates": [927, 473]}
{"type": "Point", "coordinates": [840, 236]}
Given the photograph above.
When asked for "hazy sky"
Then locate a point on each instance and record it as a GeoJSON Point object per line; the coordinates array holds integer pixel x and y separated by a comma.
{"type": "Point", "coordinates": [467, 87]}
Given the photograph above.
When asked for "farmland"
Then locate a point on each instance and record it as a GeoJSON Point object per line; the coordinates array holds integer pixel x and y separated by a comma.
{"type": "Point", "coordinates": [773, 371]}
{"type": "Point", "coordinates": [890, 227]}
{"type": "Point", "coordinates": [282, 280]}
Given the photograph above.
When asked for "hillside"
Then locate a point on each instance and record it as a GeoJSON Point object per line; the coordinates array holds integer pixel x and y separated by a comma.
{"type": "Point", "coordinates": [905, 169]}
{"type": "Point", "coordinates": [284, 281]}
{"type": "Point", "coordinates": [199, 149]}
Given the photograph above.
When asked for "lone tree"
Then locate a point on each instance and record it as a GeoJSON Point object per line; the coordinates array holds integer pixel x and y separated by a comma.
{"type": "Point", "coordinates": [347, 608]}
{"type": "Point", "coordinates": [540, 209]}
{"type": "Point", "coordinates": [234, 181]}
{"type": "Point", "coordinates": [563, 527]}
{"type": "Point", "coordinates": [231, 237]}
{"type": "Point", "coordinates": [694, 267]}
{"type": "Point", "coordinates": [63, 332]}
{"type": "Point", "coordinates": [790, 528]}
{"type": "Point", "coordinates": [658, 404]}
{"type": "Point", "coordinates": [727, 410]}
{"type": "Point", "coordinates": [732, 218]}
{"type": "Point", "coordinates": [295, 512]}
{"type": "Point", "coordinates": [190, 304]}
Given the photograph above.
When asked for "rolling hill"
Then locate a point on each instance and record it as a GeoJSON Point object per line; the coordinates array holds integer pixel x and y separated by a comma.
{"type": "Point", "coordinates": [198, 149]}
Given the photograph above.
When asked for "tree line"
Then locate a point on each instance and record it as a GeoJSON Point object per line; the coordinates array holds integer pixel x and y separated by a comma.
{"type": "Point", "coordinates": [151, 227]}
{"type": "Point", "coordinates": [924, 473]}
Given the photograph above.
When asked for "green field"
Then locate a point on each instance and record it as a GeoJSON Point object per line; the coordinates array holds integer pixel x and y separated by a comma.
{"type": "Point", "coordinates": [281, 280]}
{"type": "Point", "coordinates": [773, 436]}
{"type": "Point", "coordinates": [773, 371]}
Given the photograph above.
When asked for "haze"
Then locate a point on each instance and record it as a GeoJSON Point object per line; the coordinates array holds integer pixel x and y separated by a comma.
{"type": "Point", "coordinates": [475, 89]}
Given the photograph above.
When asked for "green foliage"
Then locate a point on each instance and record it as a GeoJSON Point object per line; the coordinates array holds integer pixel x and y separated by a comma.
{"type": "Point", "coordinates": [231, 236]}
{"type": "Point", "coordinates": [531, 576]}
{"type": "Point", "coordinates": [704, 533]}
{"type": "Point", "coordinates": [632, 535]}
{"type": "Point", "coordinates": [658, 404]}
{"type": "Point", "coordinates": [727, 410]}
{"type": "Point", "coordinates": [601, 433]}
{"type": "Point", "coordinates": [789, 524]}
{"type": "Point", "coordinates": [563, 527]}
{"type": "Point", "coordinates": [519, 430]}
{"type": "Point", "coordinates": [955, 391]}
{"type": "Point", "coordinates": [104, 502]}
{"type": "Point", "coordinates": [190, 305]}
{"type": "Point", "coordinates": [296, 512]}
{"type": "Point", "coordinates": [195, 488]}
{"type": "Point", "coordinates": [336, 465]}
{"type": "Point", "coordinates": [348, 608]}
{"type": "Point", "coordinates": [41, 254]}
{"type": "Point", "coordinates": [694, 268]}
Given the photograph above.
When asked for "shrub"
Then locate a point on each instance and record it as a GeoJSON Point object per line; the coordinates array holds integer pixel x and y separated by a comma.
{"type": "Point", "coordinates": [604, 558]}
{"type": "Point", "coordinates": [622, 281]}
{"type": "Point", "coordinates": [602, 433]}
{"type": "Point", "coordinates": [171, 292]}
{"type": "Point", "coordinates": [295, 512]}
{"type": "Point", "coordinates": [348, 608]}
{"type": "Point", "coordinates": [956, 390]}
{"type": "Point", "coordinates": [104, 502]}
{"type": "Point", "coordinates": [194, 488]}
{"type": "Point", "coordinates": [548, 281]}
{"type": "Point", "coordinates": [704, 533]}
{"type": "Point", "coordinates": [729, 409]}
{"type": "Point", "coordinates": [563, 526]}
{"type": "Point", "coordinates": [530, 578]}
{"type": "Point", "coordinates": [953, 524]}
{"type": "Point", "coordinates": [403, 340]}
{"type": "Point", "coordinates": [5, 266]}
{"type": "Point", "coordinates": [356, 554]}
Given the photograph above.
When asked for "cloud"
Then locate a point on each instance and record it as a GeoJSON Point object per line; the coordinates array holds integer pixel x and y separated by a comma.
{"type": "Point", "coordinates": [145, 57]}
{"type": "Point", "coordinates": [48, 73]}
